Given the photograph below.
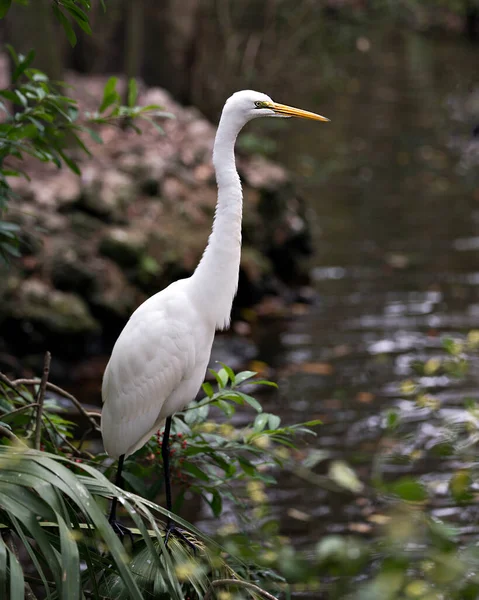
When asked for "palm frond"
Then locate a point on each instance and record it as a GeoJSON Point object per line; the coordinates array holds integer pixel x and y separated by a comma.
{"type": "Point", "coordinates": [54, 508]}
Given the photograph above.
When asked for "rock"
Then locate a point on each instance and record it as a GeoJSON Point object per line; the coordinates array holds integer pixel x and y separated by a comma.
{"type": "Point", "coordinates": [107, 194]}
{"type": "Point", "coordinates": [36, 302]}
{"type": "Point", "coordinates": [138, 218]}
{"type": "Point", "coordinates": [147, 169]}
{"type": "Point", "coordinates": [114, 298]}
{"type": "Point", "coordinates": [123, 246]}
{"type": "Point", "coordinates": [72, 274]}
{"type": "Point", "coordinates": [84, 225]}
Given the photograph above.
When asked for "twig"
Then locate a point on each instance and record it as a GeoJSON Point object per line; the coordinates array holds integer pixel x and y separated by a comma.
{"type": "Point", "coordinates": [239, 583]}
{"type": "Point", "coordinates": [4, 432]}
{"type": "Point", "coordinates": [83, 437]}
{"type": "Point", "coordinates": [13, 386]}
{"type": "Point", "coordinates": [55, 388]}
{"type": "Point", "coordinates": [66, 441]}
{"type": "Point", "coordinates": [41, 399]}
{"type": "Point", "coordinates": [18, 410]}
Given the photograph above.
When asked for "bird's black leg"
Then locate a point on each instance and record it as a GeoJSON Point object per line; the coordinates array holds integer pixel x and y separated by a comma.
{"type": "Point", "coordinates": [117, 527]}
{"type": "Point", "coordinates": [171, 528]}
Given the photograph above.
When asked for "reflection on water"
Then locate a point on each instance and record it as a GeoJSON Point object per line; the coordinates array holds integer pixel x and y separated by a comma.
{"type": "Point", "coordinates": [396, 267]}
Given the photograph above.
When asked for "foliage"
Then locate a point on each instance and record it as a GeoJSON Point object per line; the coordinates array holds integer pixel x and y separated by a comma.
{"type": "Point", "coordinates": [47, 125]}
{"type": "Point", "coordinates": [418, 554]}
{"type": "Point", "coordinates": [225, 458]}
{"type": "Point", "coordinates": [63, 486]}
{"type": "Point", "coordinates": [39, 120]}
{"type": "Point", "coordinates": [67, 13]}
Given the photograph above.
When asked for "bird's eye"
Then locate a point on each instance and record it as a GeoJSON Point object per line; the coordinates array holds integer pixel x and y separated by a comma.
{"type": "Point", "coordinates": [260, 104]}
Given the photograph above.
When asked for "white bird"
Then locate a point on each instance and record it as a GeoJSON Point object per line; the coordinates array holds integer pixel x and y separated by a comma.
{"type": "Point", "coordinates": [160, 359]}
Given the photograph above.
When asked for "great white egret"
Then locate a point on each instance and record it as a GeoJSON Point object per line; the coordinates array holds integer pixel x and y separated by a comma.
{"type": "Point", "coordinates": [160, 358]}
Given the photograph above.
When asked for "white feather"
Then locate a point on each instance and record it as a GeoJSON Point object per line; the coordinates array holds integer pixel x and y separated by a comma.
{"type": "Point", "coordinates": [159, 361]}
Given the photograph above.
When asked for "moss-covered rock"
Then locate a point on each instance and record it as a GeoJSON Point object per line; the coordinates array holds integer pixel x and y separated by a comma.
{"type": "Point", "coordinates": [138, 218]}
{"type": "Point", "coordinates": [123, 246]}
{"type": "Point", "coordinates": [36, 302]}
{"type": "Point", "coordinates": [70, 273]}
{"type": "Point", "coordinates": [107, 193]}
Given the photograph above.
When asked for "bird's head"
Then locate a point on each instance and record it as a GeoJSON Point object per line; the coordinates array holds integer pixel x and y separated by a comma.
{"type": "Point", "coordinates": [248, 104]}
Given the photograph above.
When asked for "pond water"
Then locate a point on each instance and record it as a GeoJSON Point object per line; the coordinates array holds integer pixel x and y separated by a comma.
{"type": "Point", "coordinates": [390, 188]}
{"type": "Point", "coordinates": [393, 202]}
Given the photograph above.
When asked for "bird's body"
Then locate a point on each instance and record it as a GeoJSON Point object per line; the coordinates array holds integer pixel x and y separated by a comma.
{"type": "Point", "coordinates": [157, 365]}
{"type": "Point", "coordinates": [159, 361]}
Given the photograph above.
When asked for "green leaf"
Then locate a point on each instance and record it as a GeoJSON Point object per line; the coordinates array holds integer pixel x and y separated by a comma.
{"type": "Point", "coordinates": [93, 134]}
{"type": "Point", "coordinates": [251, 401]}
{"type": "Point", "coordinates": [392, 419]}
{"type": "Point", "coordinates": [216, 503]}
{"type": "Point", "coordinates": [69, 162]}
{"type": "Point", "coordinates": [243, 376]}
{"type": "Point", "coordinates": [410, 490]}
{"type": "Point", "coordinates": [247, 466]}
{"type": "Point", "coordinates": [17, 582]}
{"type": "Point", "coordinates": [3, 569]}
{"type": "Point", "coordinates": [80, 17]}
{"type": "Point", "coordinates": [4, 7]}
{"type": "Point", "coordinates": [65, 23]}
{"type": "Point", "coordinates": [274, 421]}
{"type": "Point", "coordinates": [229, 372]}
{"type": "Point", "coordinates": [152, 122]}
{"type": "Point", "coordinates": [219, 380]}
{"type": "Point", "coordinates": [137, 483]}
{"type": "Point", "coordinates": [8, 95]}
{"type": "Point", "coordinates": [23, 65]}
{"type": "Point", "coordinates": [208, 389]}
{"type": "Point", "coordinates": [21, 98]}
{"type": "Point", "coordinates": [223, 377]}
{"type": "Point", "coordinates": [260, 422]}
{"type": "Point", "coordinates": [263, 382]}
{"type": "Point", "coordinates": [110, 95]}
{"type": "Point", "coordinates": [70, 562]}
{"type": "Point", "coordinates": [228, 410]}
{"type": "Point", "coordinates": [132, 93]}
{"type": "Point", "coordinates": [24, 131]}
{"type": "Point", "coordinates": [193, 469]}
{"type": "Point", "coordinates": [312, 423]}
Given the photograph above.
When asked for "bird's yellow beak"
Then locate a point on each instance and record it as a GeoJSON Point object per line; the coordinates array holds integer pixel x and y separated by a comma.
{"type": "Point", "coordinates": [290, 111]}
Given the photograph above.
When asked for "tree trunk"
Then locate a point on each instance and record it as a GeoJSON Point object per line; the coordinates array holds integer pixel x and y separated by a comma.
{"type": "Point", "coordinates": [134, 36]}
{"type": "Point", "coordinates": [472, 20]}
{"type": "Point", "coordinates": [170, 43]}
{"type": "Point", "coordinates": [34, 26]}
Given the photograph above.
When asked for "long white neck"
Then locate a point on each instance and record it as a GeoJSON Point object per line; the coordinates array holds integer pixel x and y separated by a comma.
{"type": "Point", "coordinates": [215, 280]}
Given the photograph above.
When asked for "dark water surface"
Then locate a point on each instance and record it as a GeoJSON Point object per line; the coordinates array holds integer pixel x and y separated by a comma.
{"type": "Point", "coordinates": [390, 185]}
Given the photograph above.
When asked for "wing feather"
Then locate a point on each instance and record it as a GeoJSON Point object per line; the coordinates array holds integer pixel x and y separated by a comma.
{"type": "Point", "coordinates": [153, 356]}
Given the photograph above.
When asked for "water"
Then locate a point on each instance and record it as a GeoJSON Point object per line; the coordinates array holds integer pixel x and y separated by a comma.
{"type": "Point", "coordinates": [390, 185]}
{"type": "Point", "coordinates": [393, 203]}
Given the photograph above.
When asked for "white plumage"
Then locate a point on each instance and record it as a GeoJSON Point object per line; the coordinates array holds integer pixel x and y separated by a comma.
{"type": "Point", "coordinates": [160, 358]}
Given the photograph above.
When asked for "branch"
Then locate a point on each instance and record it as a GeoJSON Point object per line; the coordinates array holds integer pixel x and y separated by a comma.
{"type": "Point", "coordinates": [41, 399]}
{"type": "Point", "coordinates": [66, 441]}
{"type": "Point", "coordinates": [239, 583]}
{"type": "Point", "coordinates": [13, 386]}
{"type": "Point", "coordinates": [62, 392]}
{"type": "Point", "coordinates": [18, 410]}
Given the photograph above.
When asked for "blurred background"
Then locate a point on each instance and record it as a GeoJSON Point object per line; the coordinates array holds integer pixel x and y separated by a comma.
{"type": "Point", "coordinates": [374, 259]}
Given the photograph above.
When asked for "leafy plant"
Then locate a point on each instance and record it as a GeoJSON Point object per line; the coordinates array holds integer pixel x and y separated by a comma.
{"type": "Point", "coordinates": [53, 500]}
{"type": "Point", "coordinates": [41, 122]}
